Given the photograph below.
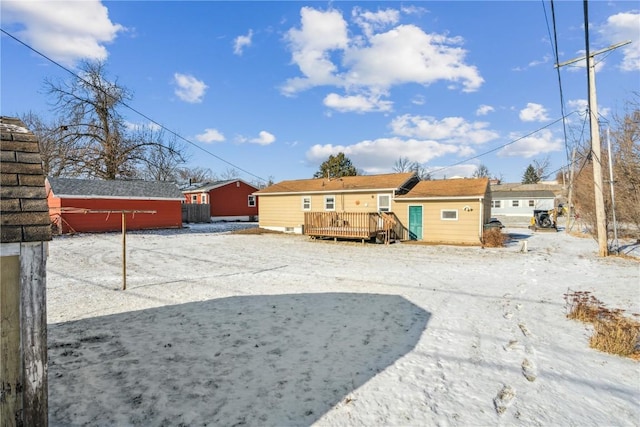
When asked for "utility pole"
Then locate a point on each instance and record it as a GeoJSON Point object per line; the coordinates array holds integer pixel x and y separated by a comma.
{"type": "Point", "coordinates": [595, 132]}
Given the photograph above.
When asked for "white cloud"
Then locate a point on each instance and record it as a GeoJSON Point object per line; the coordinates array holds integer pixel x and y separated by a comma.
{"type": "Point", "coordinates": [449, 129]}
{"type": "Point", "coordinates": [66, 31]}
{"type": "Point", "coordinates": [372, 21]}
{"type": "Point", "coordinates": [622, 27]}
{"type": "Point", "coordinates": [540, 143]}
{"type": "Point", "coordinates": [329, 53]}
{"type": "Point", "coordinates": [320, 33]}
{"type": "Point", "coordinates": [379, 155]}
{"type": "Point", "coordinates": [356, 103]}
{"type": "Point", "coordinates": [534, 113]}
{"type": "Point", "coordinates": [240, 42]}
{"type": "Point", "coordinates": [483, 110]}
{"type": "Point", "coordinates": [189, 89]}
{"type": "Point", "coordinates": [210, 136]}
{"type": "Point", "coordinates": [264, 138]}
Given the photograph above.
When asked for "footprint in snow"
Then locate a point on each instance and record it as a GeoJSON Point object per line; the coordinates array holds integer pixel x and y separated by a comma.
{"type": "Point", "coordinates": [504, 399]}
{"type": "Point", "coordinates": [529, 370]}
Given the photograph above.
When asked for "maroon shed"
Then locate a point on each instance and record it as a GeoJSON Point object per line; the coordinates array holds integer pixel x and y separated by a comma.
{"type": "Point", "coordinates": [229, 200]}
{"type": "Point", "coordinates": [93, 205]}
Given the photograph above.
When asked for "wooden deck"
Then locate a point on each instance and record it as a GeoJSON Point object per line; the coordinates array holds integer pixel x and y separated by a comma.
{"type": "Point", "coordinates": [382, 226]}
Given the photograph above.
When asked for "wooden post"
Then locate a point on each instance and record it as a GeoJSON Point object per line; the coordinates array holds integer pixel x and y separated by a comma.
{"type": "Point", "coordinates": [124, 251]}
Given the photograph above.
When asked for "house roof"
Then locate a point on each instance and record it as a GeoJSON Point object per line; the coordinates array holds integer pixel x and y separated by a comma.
{"type": "Point", "coordinates": [530, 194]}
{"type": "Point", "coordinates": [392, 181]}
{"type": "Point", "coordinates": [115, 189]}
{"type": "Point", "coordinates": [24, 213]}
{"type": "Point", "coordinates": [448, 188]}
{"type": "Point", "coordinates": [208, 186]}
{"type": "Point", "coordinates": [517, 186]}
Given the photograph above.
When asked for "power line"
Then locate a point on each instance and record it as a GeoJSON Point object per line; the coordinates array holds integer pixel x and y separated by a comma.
{"type": "Point", "coordinates": [554, 45]}
{"type": "Point", "coordinates": [501, 146]}
{"type": "Point", "coordinates": [126, 105]}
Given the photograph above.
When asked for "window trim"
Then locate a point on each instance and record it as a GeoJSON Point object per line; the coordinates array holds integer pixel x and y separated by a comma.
{"type": "Point", "coordinates": [251, 201]}
{"type": "Point", "coordinates": [532, 203]}
{"type": "Point", "coordinates": [194, 198]}
{"type": "Point", "coordinates": [304, 198]}
{"type": "Point", "coordinates": [497, 204]}
{"type": "Point", "coordinates": [334, 203]}
{"type": "Point", "coordinates": [203, 198]}
{"type": "Point", "coordinates": [515, 203]}
{"type": "Point", "coordinates": [442, 211]}
{"type": "Point", "coordinates": [388, 207]}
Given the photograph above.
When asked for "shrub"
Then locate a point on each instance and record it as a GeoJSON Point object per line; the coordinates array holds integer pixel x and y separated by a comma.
{"type": "Point", "coordinates": [493, 238]}
{"type": "Point", "coordinates": [614, 333]}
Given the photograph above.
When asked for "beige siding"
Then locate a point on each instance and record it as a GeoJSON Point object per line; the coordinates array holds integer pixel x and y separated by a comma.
{"type": "Point", "coordinates": [465, 230]}
{"type": "Point", "coordinates": [285, 211]}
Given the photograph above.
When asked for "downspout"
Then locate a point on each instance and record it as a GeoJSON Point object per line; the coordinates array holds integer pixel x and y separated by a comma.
{"type": "Point", "coordinates": [481, 220]}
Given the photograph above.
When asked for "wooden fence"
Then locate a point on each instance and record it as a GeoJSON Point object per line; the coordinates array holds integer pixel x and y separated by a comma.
{"type": "Point", "coordinates": [383, 226]}
{"type": "Point", "coordinates": [194, 213]}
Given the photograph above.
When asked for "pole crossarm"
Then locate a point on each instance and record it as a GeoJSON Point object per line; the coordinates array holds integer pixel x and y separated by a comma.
{"type": "Point", "coordinates": [592, 54]}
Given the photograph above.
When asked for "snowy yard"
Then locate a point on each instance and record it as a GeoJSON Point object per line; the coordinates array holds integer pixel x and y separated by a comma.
{"type": "Point", "coordinates": [226, 329]}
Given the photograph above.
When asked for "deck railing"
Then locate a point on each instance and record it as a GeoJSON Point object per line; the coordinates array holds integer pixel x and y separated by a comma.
{"type": "Point", "coordinates": [384, 226]}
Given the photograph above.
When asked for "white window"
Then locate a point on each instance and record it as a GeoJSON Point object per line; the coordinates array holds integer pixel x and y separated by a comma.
{"type": "Point", "coordinates": [532, 203]}
{"type": "Point", "coordinates": [203, 198]}
{"type": "Point", "coordinates": [306, 203]}
{"type": "Point", "coordinates": [495, 203]}
{"type": "Point", "coordinates": [329, 203]}
{"type": "Point", "coordinates": [449, 215]}
{"type": "Point", "coordinates": [384, 203]}
{"type": "Point", "coordinates": [251, 200]}
{"type": "Point", "coordinates": [194, 198]}
{"type": "Point", "coordinates": [515, 203]}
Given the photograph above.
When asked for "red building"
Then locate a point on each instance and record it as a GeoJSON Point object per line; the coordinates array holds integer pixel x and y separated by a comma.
{"type": "Point", "coordinates": [91, 205]}
{"type": "Point", "coordinates": [230, 200]}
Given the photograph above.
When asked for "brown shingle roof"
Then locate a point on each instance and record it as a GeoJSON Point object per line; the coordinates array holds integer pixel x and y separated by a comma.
{"type": "Point", "coordinates": [468, 187]}
{"type": "Point", "coordinates": [24, 213]}
{"type": "Point", "coordinates": [391, 181]}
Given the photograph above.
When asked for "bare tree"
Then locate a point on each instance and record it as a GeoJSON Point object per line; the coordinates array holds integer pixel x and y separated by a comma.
{"type": "Point", "coordinates": [162, 159]}
{"type": "Point", "coordinates": [481, 172]}
{"type": "Point", "coordinates": [403, 164]}
{"type": "Point", "coordinates": [230, 174]}
{"type": "Point", "coordinates": [89, 108]}
{"type": "Point", "coordinates": [196, 174]}
{"type": "Point", "coordinates": [56, 149]}
{"type": "Point", "coordinates": [541, 167]}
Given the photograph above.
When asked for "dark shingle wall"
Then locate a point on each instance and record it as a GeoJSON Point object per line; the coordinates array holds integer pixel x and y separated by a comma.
{"type": "Point", "coordinates": [24, 214]}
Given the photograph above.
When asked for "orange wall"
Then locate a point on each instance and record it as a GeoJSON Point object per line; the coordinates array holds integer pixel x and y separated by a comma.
{"type": "Point", "coordinates": [168, 214]}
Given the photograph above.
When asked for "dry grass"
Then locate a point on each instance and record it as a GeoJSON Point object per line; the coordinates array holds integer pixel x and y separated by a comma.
{"type": "Point", "coordinates": [255, 230]}
{"type": "Point", "coordinates": [493, 238]}
{"type": "Point", "coordinates": [614, 333]}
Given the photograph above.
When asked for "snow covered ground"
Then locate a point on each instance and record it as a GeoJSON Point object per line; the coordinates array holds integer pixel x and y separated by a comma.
{"type": "Point", "coordinates": [227, 329]}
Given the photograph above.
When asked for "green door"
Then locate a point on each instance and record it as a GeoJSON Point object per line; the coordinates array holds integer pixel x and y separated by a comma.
{"type": "Point", "coordinates": [415, 222]}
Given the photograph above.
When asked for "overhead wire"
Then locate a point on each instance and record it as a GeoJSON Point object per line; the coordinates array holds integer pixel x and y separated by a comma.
{"type": "Point", "coordinates": [501, 146]}
{"type": "Point", "coordinates": [126, 105]}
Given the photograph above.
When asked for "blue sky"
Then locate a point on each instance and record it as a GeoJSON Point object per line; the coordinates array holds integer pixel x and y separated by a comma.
{"type": "Point", "coordinates": [274, 88]}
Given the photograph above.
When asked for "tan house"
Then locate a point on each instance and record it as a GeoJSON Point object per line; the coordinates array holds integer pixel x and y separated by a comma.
{"type": "Point", "coordinates": [340, 201]}
{"type": "Point", "coordinates": [451, 211]}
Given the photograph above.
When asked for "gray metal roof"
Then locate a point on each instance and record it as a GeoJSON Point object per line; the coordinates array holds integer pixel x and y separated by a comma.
{"type": "Point", "coordinates": [24, 213]}
{"type": "Point", "coordinates": [120, 189]}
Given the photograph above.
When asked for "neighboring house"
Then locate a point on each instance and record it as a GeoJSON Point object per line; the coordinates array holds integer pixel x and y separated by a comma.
{"type": "Point", "coordinates": [513, 200]}
{"type": "Point", "coordinates": [282, 206]}
{"type": "Point", "coordinates": [91, 205]}
{"type": "Point", "coordinates": [25, 231]}
{"type": "Point", "coordinates": [230, 200]}
{"type": "Point", "coordinates": [451, 211]}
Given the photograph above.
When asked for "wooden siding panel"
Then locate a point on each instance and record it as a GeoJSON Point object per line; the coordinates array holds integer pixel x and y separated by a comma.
{"type": "Point", "coordinates": [465, 230]}
{"type": "Point", "coordinates": [168, 215]}
{"type": "Point", "coordinates": [232, 200]}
